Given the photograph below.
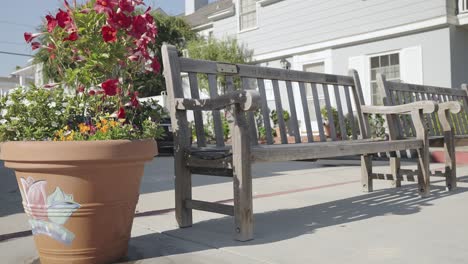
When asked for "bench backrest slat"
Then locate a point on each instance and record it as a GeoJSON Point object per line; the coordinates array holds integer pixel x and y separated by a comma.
{"type": "Point", "coordinates": [339, 109]}
{"type": "Point", "coordinates": [217, 122]}
{"type": "Point", "coordinates": [292, 106]}
{"type": "Point", "coordinates": [354, 129]}
{"type": "Point", "coordinates": [265, 112]}
{"type": "Point", "coordinates": [305, 107]}
{"type": "Point", "coordinates": [318, 114]}
{"type": "Point", "coordinates": [279, 112]}
{"type": "Point", "coordinates": [331, 118]}
{"type": "Point", "coordinates": [197, 115]}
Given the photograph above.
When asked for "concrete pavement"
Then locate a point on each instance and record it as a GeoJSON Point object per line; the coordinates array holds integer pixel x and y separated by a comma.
{"type": "Point", "coordinates": [305, 212]}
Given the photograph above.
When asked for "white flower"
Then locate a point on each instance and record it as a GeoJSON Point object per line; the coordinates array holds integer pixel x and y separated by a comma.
{"type": "Point", "coordinates": [64, 104]}
{"type": "Point", "coordinates": [14, 118]}
{"type": "Point", "coordinates": [58, 112]}
{"type": "Point", "coordinates": [26, 102]}
{"type": "Point", "coordinates": [54, 124]}
{"type": "Point", "coordinates": [4, 112]}
{"type": "Point", "coordinates": [81, 105]}
{"type": "Point", "coordinates": [32, 120]}
{"type": "Point", "coordinates": [9, 103]}
{"type": "Point", "coordinates": [3, 121]}
{"type": "Point", "coordinates": [53, 104]}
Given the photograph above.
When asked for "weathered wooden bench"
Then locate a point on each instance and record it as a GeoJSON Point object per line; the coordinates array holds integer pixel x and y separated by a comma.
{"type": "Point", "coordinates": [447, 128]}
{"type": "Point", "coordinates": [239, 103]}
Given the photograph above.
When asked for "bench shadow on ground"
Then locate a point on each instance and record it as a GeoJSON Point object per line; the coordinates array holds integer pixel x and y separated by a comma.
{"type": "Point", "coordinates": [291, 223]}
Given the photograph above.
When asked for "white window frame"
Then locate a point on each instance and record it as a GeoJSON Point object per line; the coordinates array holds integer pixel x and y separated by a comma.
{"type": "Point", "coordinates": [239, 18]}
{"type": "Point", "coordinates": [369, 68]}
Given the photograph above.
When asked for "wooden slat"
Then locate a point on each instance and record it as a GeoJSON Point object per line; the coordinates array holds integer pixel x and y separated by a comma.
{"type": "Point", "coordinates": [331, 122]}
{"type": "Point", "coordinates": [210, 207]}
{"type": "Point", "coordinates": [279, 112]}
{"type": "Point", "coordinates": [250, 71]}
{"type": "Point", "coordinates": [250, 116]}
{"type": "Point", "coordinates": [341, 118]}
{"type": "Point", "coordinates": [318, 115]}
{"type": "Point", "coordinates": [219, 172]}
{"type": "Point", "coordinates": [452, 120]}
{"type": "Point", "coordinates": [217, 122]}
{"type": "Point", "coordinates": [462, 114]}
{"type": "Point", "coordinates": [359, 100]}
{"type": "Point", "coordinates": [461, 126]}
{"type": "Point", "coordinates": [399, 100]}
{"type": "Point", "coordinates": [406, 87]}
{"type": "Point", "coordinates": [350, 112]}
{"type": "Point", "coordinates": [197, 114]}
{"type": "Point", "coordinates": [293, 116]}
{"type": "Point", "coordinates": [265, 111]}
{"type": "Point", "coordinates": [434, 118]}
{"type": "Point", "coordinates": [409, 98]}
{"type": "Point", "coordinates": [428, 116]}
{"type": "Point", "coordinates": [396, 120]}
{"type": "Point", "coordinates": [305, 107]}
{"type": "Point", "coordinates": [328, 149]}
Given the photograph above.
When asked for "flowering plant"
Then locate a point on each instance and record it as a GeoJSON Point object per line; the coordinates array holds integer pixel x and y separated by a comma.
{"type": "Point", "coordinates": [97, 49]}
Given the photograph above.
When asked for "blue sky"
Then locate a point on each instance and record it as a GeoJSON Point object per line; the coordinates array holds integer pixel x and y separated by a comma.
{"type": "Point", "coordinates": [19, 16]}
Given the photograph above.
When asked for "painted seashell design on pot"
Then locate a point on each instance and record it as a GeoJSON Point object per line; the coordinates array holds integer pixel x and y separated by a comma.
{"type": "Point", "coordinates": [48, 213]}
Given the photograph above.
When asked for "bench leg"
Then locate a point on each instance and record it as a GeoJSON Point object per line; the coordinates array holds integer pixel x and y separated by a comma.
{"type": "Point", "coordinates": [450, 162]}
{"type": "Point", "coordinates": [366, 173]}
{"type": "Point", "coordinates": [183, 191]}
{"type": "Point", "coordinates": [395, 170]}
{"type": "Point", "coordinates": [242, 176]}
{"type": "Point", "coordinates": [423, 172]}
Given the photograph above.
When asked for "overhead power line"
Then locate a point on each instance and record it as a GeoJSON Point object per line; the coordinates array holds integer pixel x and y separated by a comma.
{"type": "Point", "coordinates": [14, 53]}
{"type": "Point", "coordinates": [16, 24]}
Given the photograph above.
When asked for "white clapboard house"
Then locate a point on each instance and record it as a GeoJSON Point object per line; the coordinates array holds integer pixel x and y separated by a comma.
{"type": "Point", "coordinates": [416, 41]}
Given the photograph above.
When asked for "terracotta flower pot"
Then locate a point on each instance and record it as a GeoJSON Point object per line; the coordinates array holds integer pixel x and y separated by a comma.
{"type": "Point", "coordinates": [80, 196]}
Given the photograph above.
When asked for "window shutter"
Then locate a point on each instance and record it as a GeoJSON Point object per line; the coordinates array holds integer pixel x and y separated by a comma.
{"type": "Point", "coordinates": [411, 65]}
{"type": "Point", "coordinates": [361, 65]}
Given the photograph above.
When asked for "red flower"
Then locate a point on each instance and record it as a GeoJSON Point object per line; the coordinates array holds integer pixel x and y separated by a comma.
{"type": "Point", "coordinates": [63, 18]}
{"type": "Point", "coordinates": [51, 23]}
{"type": "Point", "coordinates": [105, 6]}
{"type": "Point", "coordinates": [72, 37]}
{"type": "Point", "coordinates": [134, 100]}
{"type": "Point", "coordinates": [92, 92]}
{"type": "Point", "coordinates": [28, 36]}
{"type": "Point", "coordinates": [121, 113]}
{"type": "Point", "coordinates": [139, 26]}
{"type": "Point", "coordinates": [127, 5]}
{"type": "Point", "coordinates": [110, 87]}
{"type": "Point", "coordinates": [109, 34]}
{"type": "Point", "coordinates": [35, 45]}
{"type": "Point", "coordinates": [120, 20]}
{"type": "Point", "coordinates": [80, 89]}
{"type": "Point", "coordinates": [155, 65]}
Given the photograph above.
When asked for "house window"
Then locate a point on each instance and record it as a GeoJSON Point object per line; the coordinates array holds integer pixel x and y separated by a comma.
{"type": "Point", "coordinates": [389, 65]}
{"type": "Point", "coordinates": [247, 14]}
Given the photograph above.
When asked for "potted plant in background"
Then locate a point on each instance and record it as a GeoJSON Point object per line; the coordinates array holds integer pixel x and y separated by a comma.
{"type": "Point", "coordinates": [78, 146]}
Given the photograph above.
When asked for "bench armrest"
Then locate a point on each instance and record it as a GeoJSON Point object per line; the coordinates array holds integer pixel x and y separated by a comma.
{"type": "Point", "coordinates": [426, 106]}
{"type": "Point", "coordinates": [249, 100]}
{"type": "Point", "coordinates": [445, 109]}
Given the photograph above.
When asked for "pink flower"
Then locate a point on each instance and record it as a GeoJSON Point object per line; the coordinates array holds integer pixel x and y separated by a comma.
{"type": "Point", "coordinates": [105, 6]}
{"type": "Point", "coordinates": [35, 45]}
{"type": "Point", "coordinates": [127, 5]}
{"type": "Point", "coordinates": [72, 37]}
{"type": "Point", "coordinates": [109, 34]}
{"type": "Point", "coordinates": [139, 26]}
{"type": "Point", "coordinates": [119, 20]}
{"type": "Point", "coordinates": [92, 92]}
{"type": "Point", "coordinates": [155, 65]}
{"type": "Point", "coordinates": [134, 100]}
{"type": "Point", "coordinates": [63, 18]}
{"type": "Point", "coordinates": [121, 113]}
{"type": "Point", "coordinates": [51, 23]}
{"type": "Point", "coordinates": [28, 36]}
{"type": "Point", "coordinates": [35, 198]}
{"type": "Point", "coordinates": [110, 87]}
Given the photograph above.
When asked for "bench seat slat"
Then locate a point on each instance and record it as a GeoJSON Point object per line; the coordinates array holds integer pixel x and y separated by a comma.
{"type": "Point", "coordinates": [329, 149]}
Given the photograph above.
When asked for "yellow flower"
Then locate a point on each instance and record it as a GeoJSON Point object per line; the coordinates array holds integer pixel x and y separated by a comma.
{"type": "Point", "coordinates": [84, 128]}
{"type": "Point", "coordinates": [104, 129]}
